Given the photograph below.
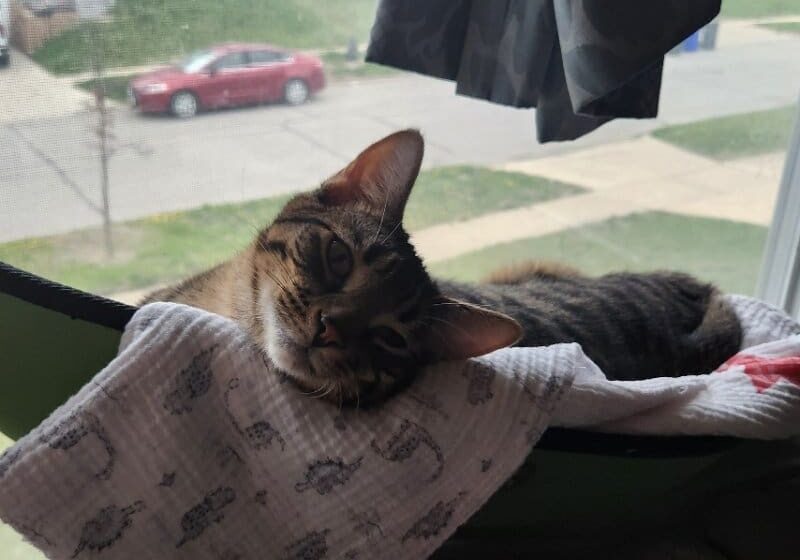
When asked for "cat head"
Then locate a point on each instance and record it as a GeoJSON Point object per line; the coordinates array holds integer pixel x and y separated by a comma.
{"type": "Point", "coordinates": [348, 309]}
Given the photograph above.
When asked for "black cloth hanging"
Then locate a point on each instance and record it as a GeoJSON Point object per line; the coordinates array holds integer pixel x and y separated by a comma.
{"type": "Point", "coordinates": [581, 63]}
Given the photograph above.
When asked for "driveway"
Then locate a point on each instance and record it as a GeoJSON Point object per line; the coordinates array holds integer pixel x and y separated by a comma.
{"type": "Point", "coordinates": [28, 92]}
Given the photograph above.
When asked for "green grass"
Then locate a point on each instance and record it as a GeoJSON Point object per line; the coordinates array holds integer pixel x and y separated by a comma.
{"type": "Point", "coordinates": [147, 31]}
{"type": "Point", "coordinates": [735, 136]}
{"type": "Point", "coordinates": [450, 194]}
{"type": "Point", "coordinates": [725, 252]}
{"type": "Point", "coordinates": [171, 246]}
{"type": "Point", "coordinates": [338, 67]}
{"type": "Point", "coordinates": [759, 8]}
{"type": "Point", "coordinates": [784, 27]}
{"type": "Point", "coordinates": [116, 86]}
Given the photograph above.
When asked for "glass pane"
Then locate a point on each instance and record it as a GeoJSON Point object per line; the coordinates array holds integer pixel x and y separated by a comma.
{"type": "Point", "coordinates": [233, 60]}
{"type": "Point", "coordinates": [124, 168]}
{"type": "Point", "coordinates": [264, 57]}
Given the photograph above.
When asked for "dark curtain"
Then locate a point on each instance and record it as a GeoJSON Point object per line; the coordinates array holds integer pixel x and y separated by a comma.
{"type": "Point", "coordinates": [581, 63]}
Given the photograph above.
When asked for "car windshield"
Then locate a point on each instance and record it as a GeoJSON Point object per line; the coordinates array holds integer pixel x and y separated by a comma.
{"type": "Point", "coordinates": [196, 61]}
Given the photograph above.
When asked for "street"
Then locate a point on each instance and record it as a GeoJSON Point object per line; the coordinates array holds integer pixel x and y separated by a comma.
{"type": "Point", "coordinates": [50, 168]}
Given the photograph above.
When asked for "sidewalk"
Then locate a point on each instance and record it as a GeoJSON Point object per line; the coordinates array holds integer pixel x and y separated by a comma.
{"type": "Point", "coordinates": [735, 32]}
{"type": "Point", "coordinates": [622, 178]}
{"type": "Point", "coordinates": [29, 92]}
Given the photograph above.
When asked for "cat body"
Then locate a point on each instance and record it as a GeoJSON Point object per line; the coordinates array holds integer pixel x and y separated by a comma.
{"type": "Point", "coordinates": [335, 294]}
{"type": "Point", "coordinates": [632, 325]}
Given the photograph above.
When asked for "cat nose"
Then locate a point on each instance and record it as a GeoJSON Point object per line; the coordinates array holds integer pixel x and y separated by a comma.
{"type": "Point", "coordinates": [327, 333]}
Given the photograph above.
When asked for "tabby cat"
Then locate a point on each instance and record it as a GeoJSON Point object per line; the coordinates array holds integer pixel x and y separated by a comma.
{"type": "Point", "coordinates": [336, 296]}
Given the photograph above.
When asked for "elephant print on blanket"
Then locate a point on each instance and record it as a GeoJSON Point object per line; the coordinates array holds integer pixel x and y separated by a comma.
{"type": "Point", "coordinates": [480, 379]}
{"type": "Point", "coordinates": [192, 382]}
{"type": "Point", "coordinates": [323, 475]}
{"type": "Point", "coordinates": [258, 435]}
{"type": "Point", "coordinates": [72, 431]}
{"type": "Point", "coordinates": [434, 521]}
{"type": "Point", "coordinates": [210, 510]}
{"type": "Point", "coordinates": [107, 527]}
{"type": "Point", "coordinates": [313, 546]}
{"type": "Point", "coordinates": [404, 443]}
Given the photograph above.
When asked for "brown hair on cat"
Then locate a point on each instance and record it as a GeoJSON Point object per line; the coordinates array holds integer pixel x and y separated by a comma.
{"type": "Point", "coordinates": [334, 293]}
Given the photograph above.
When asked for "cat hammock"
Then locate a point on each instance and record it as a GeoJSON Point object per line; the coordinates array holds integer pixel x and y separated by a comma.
{"type": "Point", "coordinates": [574, 483]}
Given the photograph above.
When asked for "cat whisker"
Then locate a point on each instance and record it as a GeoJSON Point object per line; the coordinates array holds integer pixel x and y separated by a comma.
{"type": "Point", "coordinates": [392, 232]}
{"type": "Point", "coordinates": [328, 388]}
{"type": "Point", "coordinates": [479, 306]}
{"type": "Point", "coordinates": [383, 214]}
{"type": "Point", "coordinates": [319, 390]}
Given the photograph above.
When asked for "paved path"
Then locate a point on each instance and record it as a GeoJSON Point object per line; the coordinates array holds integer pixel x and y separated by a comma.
{"type": "Point", "coordinates": [28, 92]}
{"type": "Point", "coordinates": [621, 178]}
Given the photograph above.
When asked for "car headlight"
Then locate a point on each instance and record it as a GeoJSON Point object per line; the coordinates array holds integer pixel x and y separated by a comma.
{"type": "Point", "coordinates": [154, 88]}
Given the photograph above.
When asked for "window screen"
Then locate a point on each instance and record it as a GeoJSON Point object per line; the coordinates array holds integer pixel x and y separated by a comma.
{"type": "Point", "coordinates": [124, 167]}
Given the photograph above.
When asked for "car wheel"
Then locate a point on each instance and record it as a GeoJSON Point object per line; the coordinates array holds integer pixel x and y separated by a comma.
{"type": "Point", "coordinates": [295, 92]}
{"type": "Point", "coordinates": [184, 104]}
{"type": "Point", "coordinates": [5, 59]}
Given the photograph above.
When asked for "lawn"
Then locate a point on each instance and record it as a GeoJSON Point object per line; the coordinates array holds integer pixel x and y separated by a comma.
{"type": "Point", "coordinates": [147, 31]}
{"type": "Point", "coordinates": [759, 8]}
{"type": "Point", "coordinates": [339, 68]}
{"type": "Point", "coordinates": [116, 86]}
{"type": "Point", "coordinates": [725, 252]}
{"type": "Point", "coordinates": [734, 136]}
{"type": "Point", "coordinates": [171, 246]}
{"type": "Point", "coordinates": [784, 27]}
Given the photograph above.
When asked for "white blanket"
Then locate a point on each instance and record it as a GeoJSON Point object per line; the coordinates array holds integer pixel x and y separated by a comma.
{"type": "Point", "coordinates": [188, 445]}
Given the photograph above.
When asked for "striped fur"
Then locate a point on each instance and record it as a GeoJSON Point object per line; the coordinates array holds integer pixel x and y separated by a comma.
{"type": "Point", "coordinates": [633, 326]}
{"type": "Point", "coordinates": [336, 296]}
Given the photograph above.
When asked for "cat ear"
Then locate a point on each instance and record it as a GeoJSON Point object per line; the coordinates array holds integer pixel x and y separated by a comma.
{"type": "Point", "coordinates": [381, 176]}
{"type": "Point", "coordinates": [460, 330]}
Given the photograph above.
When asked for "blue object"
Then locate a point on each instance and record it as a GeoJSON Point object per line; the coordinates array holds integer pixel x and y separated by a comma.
{"type": "Point", "coordinates": [692, 42]}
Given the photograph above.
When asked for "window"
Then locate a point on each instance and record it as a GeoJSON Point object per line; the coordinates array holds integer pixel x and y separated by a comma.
{"type": "Point", "coordinates": [692, 190]}
{"type": "Point", "coordinates": [123, 205]}
{"type": "Point", "coordinates": [266, 57]}
{"type": "Point", "coordinates": [196, 61]}
{"type": "Point", "coordinates": [230, 61]}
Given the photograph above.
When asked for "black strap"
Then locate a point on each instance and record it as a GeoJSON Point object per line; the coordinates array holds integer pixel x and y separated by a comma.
{"type": "Point", "coordinates": [58, 297]}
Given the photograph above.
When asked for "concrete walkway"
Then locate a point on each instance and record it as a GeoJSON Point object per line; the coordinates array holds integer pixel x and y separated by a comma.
{"type": "Point", "coordinates": [621, 178]}
{"type": "Point", "coordinates": [27, 92]}
{"type": "Point", "coordinates": [735, 32]}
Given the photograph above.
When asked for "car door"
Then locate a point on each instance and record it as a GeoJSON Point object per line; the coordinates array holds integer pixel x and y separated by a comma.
{"type": "Point", "coordinates": [269, 69]}
{"type": "Point", "coordinates": [228, 83]}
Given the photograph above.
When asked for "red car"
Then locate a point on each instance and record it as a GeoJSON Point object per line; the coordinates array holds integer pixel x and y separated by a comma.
{"type": "Point", "coordinates": [228, 75]}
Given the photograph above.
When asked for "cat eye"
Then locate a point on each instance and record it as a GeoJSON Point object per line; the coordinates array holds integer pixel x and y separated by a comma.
{"type": "Point", "coordinates": [340, 263]}
{"type": "Point", "coordinates": [389, 338]}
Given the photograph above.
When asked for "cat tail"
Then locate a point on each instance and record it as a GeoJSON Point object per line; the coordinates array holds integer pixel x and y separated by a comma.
{"type": "Point", "coordinates": [526, 271]}
{"type": "Point", "coordinates": [719, 335]}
